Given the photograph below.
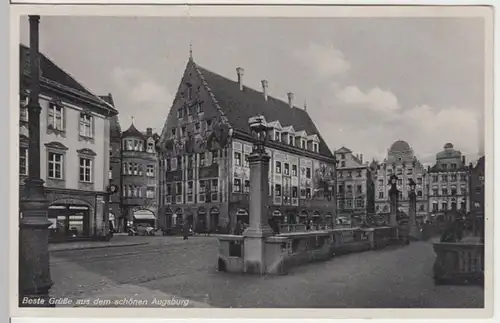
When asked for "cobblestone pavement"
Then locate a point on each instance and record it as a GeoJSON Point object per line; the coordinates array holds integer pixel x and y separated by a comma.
{"type": "Point", "coordinates": [390, 278]}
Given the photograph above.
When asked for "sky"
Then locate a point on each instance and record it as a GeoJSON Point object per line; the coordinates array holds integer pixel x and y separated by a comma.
{"type": "Point", "coordinates": [367, 81]}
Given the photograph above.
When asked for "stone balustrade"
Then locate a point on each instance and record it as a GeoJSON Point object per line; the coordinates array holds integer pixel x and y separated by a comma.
{"type": "Point", "coordinates": [459, 262]}
{"type": "Point", "coordinates": [291, 249]}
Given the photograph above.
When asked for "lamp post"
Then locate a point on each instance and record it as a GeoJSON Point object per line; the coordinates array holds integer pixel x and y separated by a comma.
{"type": "Point", "coordinates": [394, 196]}
{"type": "Point", "coordinates": [259, 229]}
{"type": "Point", "coordinates": [34, 268]}
{"type": "Point", "coordinates": [414, 232]}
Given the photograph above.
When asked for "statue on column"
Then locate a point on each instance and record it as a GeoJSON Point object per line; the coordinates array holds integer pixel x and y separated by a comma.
{"type": "Point", "coordinates": [394, 196]}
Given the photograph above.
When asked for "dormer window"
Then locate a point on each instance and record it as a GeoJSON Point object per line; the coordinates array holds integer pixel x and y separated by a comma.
{"type": "Point", "coordinates": [315, 147]}
{"type": "Point", "coordinates": [189, 92]}
{"type": "Point", "coordinates": [291, 140]}
{"type": "Point", "coordinates": [151, 147]}
{"type": "Point", "coordinates": [303, 144]}
{"type": "Point", "coordinates": [277, 136]}
{"type": "Point", "coordinates": [174, 132]}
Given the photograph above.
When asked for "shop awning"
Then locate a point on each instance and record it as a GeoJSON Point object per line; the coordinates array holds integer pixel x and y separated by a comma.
{"type": "Point", "coordinates": [144, 215]}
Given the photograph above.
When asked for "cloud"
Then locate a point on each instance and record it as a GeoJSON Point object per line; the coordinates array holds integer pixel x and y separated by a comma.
{"type": "Point", "coordinates": [140, 87]}
{"type": "Point", "coordinates": [325, 60]}
{"type": "Point", "coordinates": [375, 99]}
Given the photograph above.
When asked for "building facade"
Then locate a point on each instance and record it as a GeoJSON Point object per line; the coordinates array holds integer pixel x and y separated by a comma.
{"type": "Point", "coordinates": [355, 187]}
{"type": "Point", "coordinates": [402, 162]}
{"type": "Point", "coordinates": [477, 193]}
{"type": "Point", "coordinates": [448, 182]}
{"type": "Point", "coordinates": [74, 150]}
{"type": "Point", "coordinates": [139, 166]}
{"type": "Point", "coordinates": [204, 148]}
{"type": "Point", "coordinates": [115, 162]}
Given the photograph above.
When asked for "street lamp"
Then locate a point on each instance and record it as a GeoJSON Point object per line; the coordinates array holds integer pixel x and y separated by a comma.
{"type": "Point", "coordinates": [260, 132]}
{"type": "Point", "coordinates": [394, 195]}
{"type": "Point", "coordinates": [34, 267]}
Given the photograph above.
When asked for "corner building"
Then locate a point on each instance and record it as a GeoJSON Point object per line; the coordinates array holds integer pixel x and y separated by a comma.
{"type": "Point", "coordinates": [139, 179]}
{"type": "Point", "coordinates": [205, 143]}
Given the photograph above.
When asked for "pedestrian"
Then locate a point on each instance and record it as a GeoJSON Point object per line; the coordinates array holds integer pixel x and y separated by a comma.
{"type": "Point", "coordinates": [185, 230]}
{"type": "Point", "coordinates": [308, 225]}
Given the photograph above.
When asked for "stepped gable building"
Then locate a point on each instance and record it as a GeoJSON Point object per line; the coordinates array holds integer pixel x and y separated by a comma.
{"type": "Point", "coordinates": [139, 177]}
{"type": "Point", "coordinates": [74, 150]}
{"type": "Point", "coordinates": [448, 182]}
{"type": "Point", "coordinates": [355, 187]}
{"type": "Point", "coordinates": [402, 162]}
{"type": "Point", "coordinates": [115, 163]}
{"type": "Point", "coordinates": [205, 144]}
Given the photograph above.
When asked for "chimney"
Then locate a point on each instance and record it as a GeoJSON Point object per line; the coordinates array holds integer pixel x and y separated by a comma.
{"type": "Point", "coordinates": [149, 132]}
{"type": "Point", "coordinates": [264, 88]}
{"type": "Point", "coordinates": [290, 99]}
{"type": "Point", "coordinates": [361, 158]}
{"type": "Point", "coordinates": [240, 72]}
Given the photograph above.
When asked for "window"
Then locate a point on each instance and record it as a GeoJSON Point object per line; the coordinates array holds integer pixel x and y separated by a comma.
{"type": "Point", "coordinates": [409, 171]}
{"type": "Point", "coordinates": [315, 147]}
{"type": "Point", "coordinates": [381, 182]}
{"type": "Point", "coordinates": [197, 127]}
{"type": "Point", "coordinates": [55, 165]}
{"type": "Point", "coordinates": [303, 143]}
{"type": "Point", "coordinates": [287, 169]}
{"type": "Point", "coordinates": [209, 124]}
{"type": "Point", "coordinates": [277, 190]}
{"type": "Point", "coordinates": [291, 140]}
{"type": "Point", "coordinates": [389, 171]}
{"type": "Point", "coordinates": [169, 189]}
{"type": "Point", "coordinates": [445, 191]}
{"type": "Point", "coordinates": [294, 192]}
{"type": "Point", "coordinates": [190, 188]}
{"type": "Point", "coordinates": [237, 185]}
{"type": "Point", "coordinates": [349, 189]}
{"type": "Point", "coordinates": [150, 193]}
{"type": "Point", "coordinates": [247, 164]}
{"type": "Point", "coordinates": [85, 170]}
{"type": "Point", "coordinates": [55, 117]}
{"type": "Point", "coordinates": [359, 174]}
{"type": "Point", "coordinates": [349, 174]}
{"type": "Point", "coordinates": [360, 203]}
{"type": "Point", "coordinates": [247, 186]}
{"type": "Point", "coordinates": [421, 208]}
{"type": "Point", "coordinates": [478, 190]}
{"type": "Point", "coordinates": [342, 164]}
{"type": "Point", "coordinates": [199, 107]}
{"type": "Point", "coordinates": [342, 156]}
{"type": "Point", "coordinates": [348, 204]}
{"type": "Point", "coordinates": [434, 207]}
{"type": "Point", "coordinates": [150, 171]}
{"type": "Point", "coordinates": [400, 182]}
{"type": "Point", "coordinates": [178, 188]}
{"type": "Point", "coordinates": [444, 206]}
{"type": "Point", "coordinates": [341, 189]}
{"type": "Point", "coordinates": [463, 177]}
{"type": "Point", "coordinates": [308, 172]}
{"type": "Point", "coordinates": [308, 193]}
{"type": "Point", "coordinates": [277, 136]}
{"type": "Point", "coordinates": [294, 170]}
{"type": "Point", "coordinates": [179, 162]}
{"type": "Point", "coordinates": [202, 159]}
{"type": "Point", "coordinates": [419, 181]}
{"type": "Point", "coordinates": [85, 125]}
{"type": "Point", "coordinates": [453, 177]}
{"type": "Point", "coordinates": [463, 190]}
{"type": "Point", "coordinates": [278, 167]}
{"type": "Point", "coordinates": [183, 131]}
{"type": "Point", "coordinates": [237, 159]}
{"type": "Point", "coordinates": [23, 112]}
{"type": "Point", "coordinates": [189, 92]}
{"type": "Point", "coordinates": [359, 189]}
{"type": "Point", "coordinates": [110, 173]}
{"type": "Point", "coordinates": [444, 166]}
{"type": "Point", "coordinates": [190, 162]}
{"type": "Point", "coordinates": [23, 161]}
{"type": "Point", "coordinates": [215, 189]}
{"type": "Point", "coordinates": [419, 193]}
{"type": "Point", "coordinates": [151, 147]}
{"type": "Point", "coordinates": [453, 166]}
{"type": "Point", "coordinates": [435, 192]}
{"type": "Point", "coordinates": [340, 175]}
{"type": "Point", "coordinates": [435, 178]}
{"type": "Point", "coordinates": [380, 195]}
{"type": "Point", "coordinates": [453, 191]}
{"type": "Point", "coordinates": [399, 171]}
{"type": "Point", "coordinates": [174, 132]}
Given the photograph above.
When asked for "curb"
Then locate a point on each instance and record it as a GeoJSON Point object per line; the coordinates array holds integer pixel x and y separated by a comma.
{"type": "Point", "coordinates": [101, 247]}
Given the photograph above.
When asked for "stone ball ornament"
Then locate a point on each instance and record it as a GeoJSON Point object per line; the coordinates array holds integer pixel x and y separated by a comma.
{"type": "Point", "coordinates": [112, 189]}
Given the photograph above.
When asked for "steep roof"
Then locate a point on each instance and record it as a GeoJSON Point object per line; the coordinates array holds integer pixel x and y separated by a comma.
{"type": "Point", "coordinates": [133, 132]}
{"type": "Point", "coordinates": [51, 72]}
{"type": "Point", "coordinates": [238, 106]}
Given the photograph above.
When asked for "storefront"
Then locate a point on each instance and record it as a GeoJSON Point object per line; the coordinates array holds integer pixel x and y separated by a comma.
{"type": "Point", "coordinates": [214, 218]}
{"type": "Point", "coordinates": [242, 216]}
{"type": "Point", "coordinates": [69, 222]}
{"type": "Point", "coordinates": [201, 220]}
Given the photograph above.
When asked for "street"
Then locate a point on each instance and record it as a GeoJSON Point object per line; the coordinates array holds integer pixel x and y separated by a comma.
{"type": "Point", "coordinates": [390, 278]}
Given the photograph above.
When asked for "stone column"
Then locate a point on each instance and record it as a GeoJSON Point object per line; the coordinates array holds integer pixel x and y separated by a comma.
{"type": "Point", "coordinates": [258, 230]}
{"type": "Point", "coordinates": [394, 196]}
{"type": "Point", "coordinates": [414, 231]}
{"type": "Point", "coordinates": [34, 268]}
